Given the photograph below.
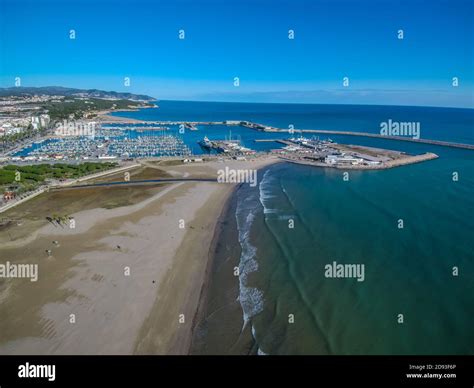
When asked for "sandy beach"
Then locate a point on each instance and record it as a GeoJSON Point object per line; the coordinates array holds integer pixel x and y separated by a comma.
{"type": "Point", "coordinates": [127, 279]}
{"type": "Point", "coordinates": [106, 117]}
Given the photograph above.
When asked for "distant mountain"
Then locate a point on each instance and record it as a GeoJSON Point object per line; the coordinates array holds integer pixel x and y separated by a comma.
{"type": "Point", "coordinates": [72, 92]}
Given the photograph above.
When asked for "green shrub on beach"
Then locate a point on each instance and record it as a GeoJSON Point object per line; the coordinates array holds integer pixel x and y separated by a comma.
{"type": "Point", "coordinates": [33, 175]}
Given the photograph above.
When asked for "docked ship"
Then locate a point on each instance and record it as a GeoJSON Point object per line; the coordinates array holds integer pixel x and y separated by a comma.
{"type": "Point", "coordinates": [205, 143]}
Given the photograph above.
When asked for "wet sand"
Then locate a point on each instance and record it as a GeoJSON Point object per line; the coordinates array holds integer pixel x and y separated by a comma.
{"type": "Point", "coordinates": [219, 325]}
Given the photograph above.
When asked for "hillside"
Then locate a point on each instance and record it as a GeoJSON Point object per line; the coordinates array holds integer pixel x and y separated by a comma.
{"type": "Point", "coordinates": [72, 92]}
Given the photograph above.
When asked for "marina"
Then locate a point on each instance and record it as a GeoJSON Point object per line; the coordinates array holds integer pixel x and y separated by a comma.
{"type": "Point", "coordinates": [192, 125]}
{"type": "Point", "coordinates": [228, 147]}
{"type": "Point", "coordinates": [127, 142]}
{"type": "Point", "coordinates": [107, 143]}
{"type": "Point", "coordinates": [327, 153]}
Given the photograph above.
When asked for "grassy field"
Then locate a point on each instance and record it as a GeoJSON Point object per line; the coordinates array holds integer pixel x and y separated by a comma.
{"type": "Point", "coordinates": [22, 220]}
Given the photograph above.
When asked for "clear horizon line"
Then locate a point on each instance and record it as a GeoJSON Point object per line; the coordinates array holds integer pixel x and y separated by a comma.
{"type": "Point", "coordinates": [310, 103]}
{"type": "Point", "coordinates": [155, 99]}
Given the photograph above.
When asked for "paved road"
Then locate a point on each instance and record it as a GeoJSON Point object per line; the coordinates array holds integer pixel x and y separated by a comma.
{"type": "Point", "coordinates": [166, 180]}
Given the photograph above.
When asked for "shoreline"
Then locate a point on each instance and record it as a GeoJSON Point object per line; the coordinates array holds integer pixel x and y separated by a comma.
{"type": "Point", "coordinates": [105, 116]}
{"type": "Point", "coordinates": [223, 228]}
{"type": "Point", "coordinates": [216, 240]}
{"type": "Point", "coordinates": [179, 295]}
{"type": "Point", "coordinates": [218, 323]}
{"type": "Point", "coordinates": [220, 311]}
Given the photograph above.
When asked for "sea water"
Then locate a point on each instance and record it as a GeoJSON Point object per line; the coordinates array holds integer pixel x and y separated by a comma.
{"type": "Point", "coordinates": [411, 227]}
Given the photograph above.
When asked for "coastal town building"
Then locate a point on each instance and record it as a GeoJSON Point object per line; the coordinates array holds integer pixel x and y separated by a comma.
{"type": "Point", "coordinates": [41, 121]}
{"type": "Point", "coordinates": [342, 159]}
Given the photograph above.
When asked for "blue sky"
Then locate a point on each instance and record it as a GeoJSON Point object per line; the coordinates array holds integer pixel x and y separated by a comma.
{"type": "Point", "coordinates": [246, 39]}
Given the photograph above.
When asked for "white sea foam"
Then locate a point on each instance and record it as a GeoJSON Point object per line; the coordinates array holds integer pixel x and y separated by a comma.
{"type": "Point", "coordinates": [251, 298]}
{"type": "Point", "coordinates": [265, 193]}
{"type": "Point", "coordinates": [260, 352]}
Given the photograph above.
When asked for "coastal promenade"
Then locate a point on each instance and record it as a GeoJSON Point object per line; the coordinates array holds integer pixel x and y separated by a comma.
{"type": "Point", "coordinates": [31, 195]}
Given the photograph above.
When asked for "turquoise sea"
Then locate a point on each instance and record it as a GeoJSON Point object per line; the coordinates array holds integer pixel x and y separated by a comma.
{"type": "Point", "coordinates": [286, 298]}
